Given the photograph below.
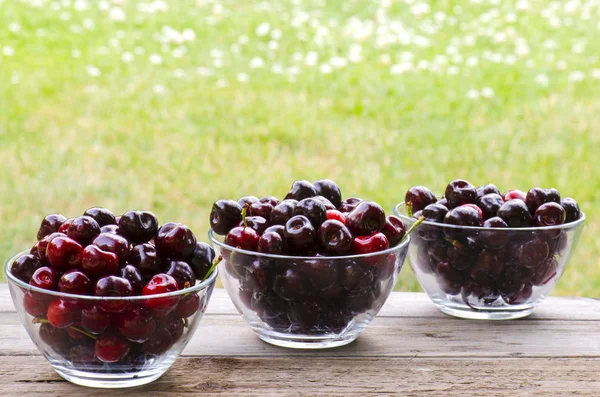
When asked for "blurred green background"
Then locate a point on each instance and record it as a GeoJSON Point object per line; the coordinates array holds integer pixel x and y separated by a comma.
{"type": "Point", "coordinates": [169, 106]}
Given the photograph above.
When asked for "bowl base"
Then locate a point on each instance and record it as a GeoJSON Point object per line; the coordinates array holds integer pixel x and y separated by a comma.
{"type": "Point", "coordinates": [498, 313]}
{"type": "Point", "coordinates": [109, 381]}
{"type": "Point", "coordinates": [306, 341]}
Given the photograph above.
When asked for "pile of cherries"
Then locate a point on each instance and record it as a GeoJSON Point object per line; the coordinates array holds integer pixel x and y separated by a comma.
{"type": "Point", "coordinates": [487, 263]}
{"type": "Point", "coordinates": [101, 255]}
{"type": "Point", "coordinates": [318, 294]}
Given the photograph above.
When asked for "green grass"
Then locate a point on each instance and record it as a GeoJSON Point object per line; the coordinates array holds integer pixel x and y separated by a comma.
{"type": "Point", "coordinates": [168, 138]}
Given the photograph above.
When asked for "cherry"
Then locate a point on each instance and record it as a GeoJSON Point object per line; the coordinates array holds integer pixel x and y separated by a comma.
{"type": "Point", "coordinates": [182, 273]}
{"type": "Point", "coordinates": [349, 204]}
{"type": "Point", "coordinates": [487, 189]}
{"type": "Point", "coordinates": [110, 229]}
{"type": "Point", "coordinates": [136, 324]}
{"type": "Point", "coordinates": [289, 285]}
{"type": "Point", "coordinates": [328, 205]}
{"type": "Point", "coordinates": [74, 282]}
{"type": "Point", "coordinates": [145, 258]}
{"type": "Point", "coordinates": [202, 259]}
{"type": "Point", "coordinates": [114, 243]}
{"type": "Point", "coordinates": [300, 190]}
{"type": "Point", "coordinates": [476, 208]}
{"type": "Point", "coordinates": [76, 335]}
{"type": "Point", "coordinates": [494, 239]}
{"type": "Point", "coordinates": [53, 337]}
{"type": "Point", "coordinates": [515, 213]}
{"type": "Point", "coordinates": [35, 305]}
{"type": "Point", "coordinates": [65, 226]}
{"type": "Point", "coordinates": [545, 272]}
{"type": "Point", "coordinates": [82, 355]}
{"type": "Point", "coordinates": [113, 286]}
{"type": "Point", "coordinates": [299, 233]}
{"type": "Point", "coordinates": [394, 229]}
{"type": "Point", "coordinates": [521, 296]}
{"type": "Point", "coordinates": [134, 276]}
{"type": "Point", "coordinates": [159, 343]}
{"type": "Point", "coordinates": [549, 214]}
{"type": "Point", "coordinates": [450, 280]}
{"type": "Point", "coordinates": [45, 277]}
{"type": "Point", "coordinates": [94, 320]}
{"type": "Point", "coordinates": [262, 209]}
{"type": "Point", "coordinates": [279, 229]}
{"type": "Point", "coordinates": [224, 215]}
{"type": "Point", "coordinates": [536, 197]}
{"type": "Point", "coordinates": [188, 306]}
{"type": "Point", "coordinates": [514, 194]}
{"type": "Point", "coordinates": [313, 209]}
{"type": "Point", "coordinates": [60, 313]}
{"type": "Point", "coordinates": [24, 266]}
{"type": "Point", "coordinates": [97, 262]}
{"type": "Point", "coordinates": [335, 237]}
{"type": "Point", "coordinates": [161, 284]}
{"type": "Point", "coordinates": [366, 218]}
{"type": "Point", "coordinates": [111, 347]}
{"type": "Point", "coordinates": [283, 211]}
{"type": "Point", "coordinates": [138, 226]}
{"type": "Point", "coordinates": [571, 209]}
{"type": "Point", "coordinates": [368, 244]}
{"type": "Point", "coordinates": [304, 315]}
{"type": "Point", "coordinates": [101, 215]}
{"type": "Point", "coordinates": [463, 216]}
{"type": "Point", "coordinates": [242, 237]}
{"type": "Point", "coordinates": [336, 215]}
{"type": "Point", "coordinates": [272, 200]}
{"type": "Point", "coordinates": [271, 243]}
{"type": "Point", "coordinates": [83, 229]}
{"type": "Point", "coordinates": [175, 241]}
{"type": "Point", "coordinates": [330, 190]}
{"type": "Point", "coordinates": [175, 327]}
{"type": "Point", "coordinates": [530, 253]}
{"type": "Point", "coordinates": [510, 280]}
{"type": "Point", "coordinates": [257, 223]}
{"type": "Point", "coordinates": [355, 278]}
{"type": "Point", "coordinates": [50, 224]}
{"type": "Point", "coordinates": [488, 266]}
{"type": "Point", "coordinates": [490, 204]}
{"type": "Point", "coordinates": [321, 274]}
{"type": "Point", "coordinates": [418, 197]}
{"type": "Point", "coordinates": [459, 192]}
{"type": "Point", "coordinates": [64, 253]}
{"type": "Point", "coordinates": [434, 212]}
{"type": "Point", "coordinates": [247, 200]}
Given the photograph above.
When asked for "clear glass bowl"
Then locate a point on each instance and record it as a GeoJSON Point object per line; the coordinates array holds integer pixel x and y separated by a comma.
{"type": "Point", "coordinates": [171, 319]}
{"type": "Point", "coordinates": [492, 274]}
{"type": "Point", "coordinates": [308, 302]}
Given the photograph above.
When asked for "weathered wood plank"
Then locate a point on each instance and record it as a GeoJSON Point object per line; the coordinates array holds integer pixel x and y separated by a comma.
{"type": "Point", "coordinates": [409, 304]}
{"type": "Point", "coordinates": [31, 376]}
{"type": "Point", "coordinates": [228, 335]}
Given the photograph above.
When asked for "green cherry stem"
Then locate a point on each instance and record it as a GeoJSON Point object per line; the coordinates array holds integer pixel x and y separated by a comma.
{"type": "Point", "coordinates": [212, 268]}
{"type": "Point", "coordinates": [40, 320]}
{"type": "Point", "coordinates": [244, 212]}
{"type": "Point", "coordinates": [409, 208]}
{"type": "Point", "coordinates": [413, 227]}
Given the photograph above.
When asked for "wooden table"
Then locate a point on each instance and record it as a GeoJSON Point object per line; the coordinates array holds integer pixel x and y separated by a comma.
{"type": "Point", "coordinates": [410, 349]}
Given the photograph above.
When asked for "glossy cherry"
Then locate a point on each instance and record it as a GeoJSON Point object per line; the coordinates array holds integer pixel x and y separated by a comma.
{"type": "Point", "coordinates": [75, 282]}
{"type": "Point", "coordinates": [299, 233]}
{"type": "Point", "coordinates": [111, 347]}
{"type": "Point", "coordinates": [349, 204]}
{"type": "Point", "coordinates": [24, 266]}
{"type": "Point", "coordinates": [313, 209]}
{"type": "Point", "coordinates": [335, 237]}
{"type": "Point", "coordinates": [188, 306]}
{"type": "Point", "coordinates": [434, 212]}
{"type": "Point", "coordinates": [283, 211]}
{"type": "Point", "coordinates": [134, 276]}
{"type": "Point", "coordinates": [330, 190]}
{"type": "Point", "coordinates": [94, 320]}
{"type": "Point", "coordinates": [103, 216]}
{"type": "Point", "coordinates": [202, 259]}
{"type": "Point", "coordinates": [514, 194]}
{"type": "Point", "coordinates": [549, 214]}
{"type": "Point", "coordinates": [300, 190]}
{"type": "Point", "coordinates": [175, 241]}
{"type": "Point", "coordinates": [50, 224]}
{"type": "Point", "coordinates": [136, 324]}
{"type": "Point", "coordinates": [114, 243]}
{"type": "Point", "coordinates": [242, 237]}
{"type": "Point", "coordinates": [45, 277]}
{"type": "Point", "coordinates": [459, 192]}
{"type": "Point", "coordinates": [182, 273]}
{"type": "Point", "coordinates": [113, 286]}
{"type": "Point", "coordinates": [366, 218]}
{"type": "Point", "coordinates": [571, 209]}
{"type": "Point", "coordinates": [145, 258]}
{"type": "Point", "coordinates": [368, 244]}
{"type": "Point", "coordinates": [271, 243]}
{"type": "Point", "coordinates": [97, 262]}
{"type": "Point", "coordinates": [515, 213]}
{"type": "Point", "coordinates": [161, 284]}
{"type": "Point", "coordinates": [83, 229]}
{"type": "Point", "coordinates": [258, 223]}
{"type": "Point", "coordinates": [64, 253]}
{"type": "Point", "coordinates": [61, 313]}
{"type": "Point", "coordinates": [138, 226]}
{"type": "Point", "coordinates": [394, 229]}
{"type": "Point", "coordinates": [224, 215]}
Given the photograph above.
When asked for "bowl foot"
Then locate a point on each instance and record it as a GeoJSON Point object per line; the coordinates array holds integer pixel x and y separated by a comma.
{"type": "Point", "coordinates": [305, 341]}
{"type": "Point", "coordinates": [492, 313]}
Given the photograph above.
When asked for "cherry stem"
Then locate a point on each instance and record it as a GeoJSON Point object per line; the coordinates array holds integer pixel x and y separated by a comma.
{"type": "Point", "coordinates": [186, 322]}
{"type": "Point", "coordinates": [40, 320]}
{"type": "Point", "coordinates": [409, 208]}
{"type": "Point", "coordinates": [212, 268]}
{"type": "Point", "coordinates": [413, 227]}
{"type": "Point", "coordinates": [244, 212]}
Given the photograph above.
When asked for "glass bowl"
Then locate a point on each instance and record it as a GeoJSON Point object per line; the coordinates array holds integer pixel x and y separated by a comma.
{"type": "Point", "coordinates": [166, 322]}
{"type": "Point", "coordinates": [483, 273]}
{"type": "Point", "coordinates": [308, 302]}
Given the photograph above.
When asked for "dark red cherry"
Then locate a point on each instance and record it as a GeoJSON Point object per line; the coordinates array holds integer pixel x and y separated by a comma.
{"type": "Point", "coordinates": [300, 190]}
{"type": "Point", "coordinates": [514, 194]}
{"type": "Point", "coordinates": [271, 243]}
{"type": "Point", "coordinates": [463, 216]}
{"type": "Point", "coordinates": [24, 266]}
{"type": "Point", "coordinates": [202, 259]}
{"type": "Point", "coordinates": [242, 237]}
{"type": "Point", "coordinates": [42, 245]}
{"type": "Point", "coordinates": [299, 233]}
{"type": "Point", "coordinates": [257, 223]}
{"type": "Point", "coordinates": [330, 190]}
{"type": "Point", "coordinates": [75, 282]}
{"type": "Point", "coordinates": [487, 189]}
{"type": "Point", "coordinates": [536, 197]}
{"type": "Point", "coordinates": [490, 204]}
{"type": "Point", "coordinates": [272, 200]}
{"type": "Point", "coordinates": [64, 253]}
{"type": "Point", "coordinates": [367, 218]}
{"type": "Point", "coordinates": [335, 237]}
{"type": "Point", "coordinates": [182, 273]}
{"type": "Point", "coordinates": [111, 347]}
{"type": "Point", "coordinates": [434, 212]}
{"type": "Point", "coordinates": [138, 226]}
{"type": "Point", "coordinates": [101, 215]}
{"type": "Point", "coordinates": [530, 253]}
{"type": "Point", "coordinates": [110, 229]}
{"type": "Point", "coordinates": [283, 211]}
{"type": "Point", "coordinates": [83, 229]}
{"type": "Point", "coordinates": [328, 205]}
{"type": "Point", "coordinates": [97, 262]}
{"type": "Point", "coordinates": [65, 226]}
{"type": "Point", "coordinates": [494, 239]}
{"type": "Point", "coordinates": [368, 244]}
{"type": "Point", "coordinates": [61, 313]}
{"type": "Point", "coordinates": [313, 209]}
{"type": "Point", "coordinates": [349, 204]}
{"type": "Point", "coordinates": [289, 285]}
{"type": "Point", "coordinates": [247, 200]}
{"type": "Point", "coordinates": [419, 197]}
{"type": "Point", "coordinates": [94, 320]}
{"type": "Point", "coordinates": [459, 192]}
{"type": "Point", "coordinates": [113, 286]}
{"type": "Point", "coordinates": [145, 258]}
{"type": "Point", "coordinates": [134, 276]}
{"type": "Point", "coordinates": [161, 284]}
{"type": "Point", "coordinates": [175, 241]}
{"type": "Point", "coordinates": [45, 277]}
{"type": "Point", "coordinates": [188, 306]}
{"type": "Point", "coordinates": [549, 214]}
{"type": "Point", "coordinates": [159, 343]}
{"type": "Point", "coordinates": [50, 224]}
{"type": "Point", "coordinates": [279, 229]}
{"type": "Point", "coordinates": [225, 215]}
{"type": "Point", "coordinates": [35, 305]}
{"type": "Point", "coordinates": [262, 209]}
{"type": "Point", "coordinates": [571, 209]}
{"type": "Point", "coordinates": [476, 208]}
{"type": "Point", "coordinates": [515, 213]}
{"type": "Point", "coordinates": [114, 243]}
{"type": "Point", "coordinates": [53, 337]}
{"type": "Point", "coordinates": [394, 229]}
{"type": "Point", "coordinates": [136, 324]}
{"type": "Point", "coordinates": [175, 327]}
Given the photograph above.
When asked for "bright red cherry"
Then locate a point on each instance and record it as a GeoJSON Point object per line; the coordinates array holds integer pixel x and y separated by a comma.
{"type": "Point", "coordinates": [94, 320]}
{"type": "Point", "coordinates": [34, 305]}
{"type": "Point", "coordinates": [188, 306]}
{"type": "Point", "coordinates": [64, 253]}
{"type": "Point", "coordinates": [74, 282]}
{"type": "Point", "coordinates": [136, 324]}
{"type": "Point", "coordinates": [367, 244]}
{"type": "Point", "coordinates": [242, 237]}
{"type": "Point", "coordinates": [336, 215]}
{"type": "Point", "coordinates": [60, 313]}
{"type": "Point", "coordinates": [97, 262]}
{"type": "Point", "coordinates": [45, 278]}
{"type": "Point", "coordinates": [514, 194]}
{"type": "Point", "coordinates": [161, 284]}
{"type": "Point", "coordinates": [111, 347]}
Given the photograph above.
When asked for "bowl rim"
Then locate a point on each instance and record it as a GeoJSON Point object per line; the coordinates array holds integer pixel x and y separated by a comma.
{"type": "Point", "coordinates": [215, 241]}
{"type": "Point", "coordinates": [12, 279]}
{"type": "Point", "coordinates": [570, 225]}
